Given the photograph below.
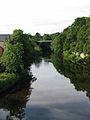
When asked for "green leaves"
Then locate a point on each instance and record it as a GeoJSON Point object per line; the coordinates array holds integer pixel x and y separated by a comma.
{"type": "Point", "coordinates": [75, 39]}
{"type": "Point", "coordinates": [17, 35]}
{"type": "Point", "coordinates": [57, 44]}
{"type": "Point", "coordinates": [18, 53]}
{"type": "Point", "coordinates": [12, 58]}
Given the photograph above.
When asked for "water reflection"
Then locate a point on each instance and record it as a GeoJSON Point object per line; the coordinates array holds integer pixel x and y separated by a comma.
{"type": "Point", "coordinates": [46, 56]}
{"type": "Point", "coordinates": [79, 75]}
{"type": "Point", "coordinates": [12, 104]}
{"type": "Point", "coordinates": [37, 62]}
{"type": "Point", "coordinates": [53, 97]}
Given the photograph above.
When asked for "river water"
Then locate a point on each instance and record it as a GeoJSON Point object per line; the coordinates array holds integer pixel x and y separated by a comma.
{"type": "Point", "coordinates": [57, 94]}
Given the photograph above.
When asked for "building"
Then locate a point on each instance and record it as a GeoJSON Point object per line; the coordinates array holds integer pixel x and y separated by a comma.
{"type": "Point", "coordinates": [2, 38]}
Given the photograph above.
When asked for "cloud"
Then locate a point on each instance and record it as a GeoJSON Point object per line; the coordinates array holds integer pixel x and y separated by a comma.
{"type": "Point", "coordinates": [33, 15]}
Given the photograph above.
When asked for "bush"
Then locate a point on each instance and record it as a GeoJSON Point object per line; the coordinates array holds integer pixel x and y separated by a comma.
{"type": "Point", "coordinates": [7, 80]}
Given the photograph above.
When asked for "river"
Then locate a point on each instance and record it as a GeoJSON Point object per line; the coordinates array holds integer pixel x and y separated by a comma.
{"type": "Point", "coordinates": [56, 94]}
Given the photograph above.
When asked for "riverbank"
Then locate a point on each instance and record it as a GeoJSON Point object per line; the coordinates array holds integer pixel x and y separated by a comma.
{"type": "Point", "coordinates": [77, 59]}
{"type": "Point", "coordinates": [9, 82]}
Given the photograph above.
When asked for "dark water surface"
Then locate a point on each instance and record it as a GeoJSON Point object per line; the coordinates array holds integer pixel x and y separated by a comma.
{"type": "Point", "coordinates": [62, 95]}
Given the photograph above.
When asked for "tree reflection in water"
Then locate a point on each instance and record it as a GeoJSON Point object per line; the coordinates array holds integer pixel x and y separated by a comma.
{"type": "Point", "coordinates": [79, 74]}
{"type": "Point", "coordinates": [15, 101]}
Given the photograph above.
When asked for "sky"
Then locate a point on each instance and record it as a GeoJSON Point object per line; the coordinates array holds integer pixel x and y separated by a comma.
{"type": "Point", "coordinates": [43, 16]}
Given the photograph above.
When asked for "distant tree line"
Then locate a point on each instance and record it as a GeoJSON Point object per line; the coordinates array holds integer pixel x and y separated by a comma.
{"type": "Point", "coordinates": [45, 37]}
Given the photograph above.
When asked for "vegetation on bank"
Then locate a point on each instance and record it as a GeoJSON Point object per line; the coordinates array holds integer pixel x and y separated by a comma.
{"type": "Point", "coordinates": [74, 41]}
{"type": "Point", "coordinates": [7, 80]}
{"type": "Point", "coordinates": [17, 58]}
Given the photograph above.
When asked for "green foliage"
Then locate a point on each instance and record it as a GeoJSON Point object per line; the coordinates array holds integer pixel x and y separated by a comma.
{"type": "Point", "coordinates": [28, 49]}
{"type": "Point", "coordinates": [46, 37]}
{"type": "Point", "coordinates": [27, 45]}
{"type": "Point", "coordinates": [57, 44]}
{"type": "Point", "coordinates": [71, 34]}
{"type": "Point", "coordinates": [7, 76]}
{"type": "Point", "coordinates": [12, 57]}
{"type": "Point", "coordinates": [37, 37]}
{"type": "Point", "coordinates": [19, 52]}
{"type": "Point", "coordinates": [54, 35]}
{"type": "Point", "coordinates": [76, 39]}
{"type": "Point", "coordinates": [17, 58]}
{"type": "Point", "coordinates": [7, 80]}
{"type": "Point", "coordinates": [83, 40]}
{"type": "Point", "coordinates": [17, 35]}
{"type": "Point", "coordinates": [87, 59]}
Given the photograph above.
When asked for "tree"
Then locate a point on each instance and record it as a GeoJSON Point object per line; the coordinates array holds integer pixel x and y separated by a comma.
{"type": "Point", "coordinates": [57, 44]}
{"type": "Point", "coordinates": [17, 36]}
{"type": "Point", "coordinates": [54, 35]}
{"type": "Point", "coordinates": [37, 37]}
{"type": "Point", "coordinates": [28, 48]}
{"type": "Point", "coordinates": [74, 39]}
{"type": "Point", "coordinates": [12, 58]}
{"type": "Point", "coordinates": [46, 37]}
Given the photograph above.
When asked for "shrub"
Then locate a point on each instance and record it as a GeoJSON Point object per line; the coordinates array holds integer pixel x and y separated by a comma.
{"type": "Point", "coordinates": [7, 80]}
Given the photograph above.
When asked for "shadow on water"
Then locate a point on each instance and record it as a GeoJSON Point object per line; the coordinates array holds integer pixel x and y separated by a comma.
{"type": "Point", "coordinates": [79, 75]}
{"type": "Point", "coordinates": [15, 101]}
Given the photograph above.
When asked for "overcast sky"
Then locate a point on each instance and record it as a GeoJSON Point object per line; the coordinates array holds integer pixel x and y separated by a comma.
{"type": "Point", "coordinates": [43, 16]}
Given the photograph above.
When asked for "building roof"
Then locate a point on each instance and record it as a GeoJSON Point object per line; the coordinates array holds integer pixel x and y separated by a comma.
{"type": "Point", "coordinates": [5, 36]}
